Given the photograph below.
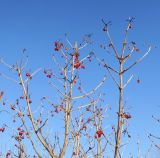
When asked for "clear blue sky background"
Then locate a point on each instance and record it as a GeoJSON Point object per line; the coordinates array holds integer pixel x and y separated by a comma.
{"type": "Point", "coordinates": [35, 25]}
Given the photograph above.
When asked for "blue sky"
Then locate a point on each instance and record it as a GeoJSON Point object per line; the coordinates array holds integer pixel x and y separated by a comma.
{"type": "Point", "coordinates": [35, 25]}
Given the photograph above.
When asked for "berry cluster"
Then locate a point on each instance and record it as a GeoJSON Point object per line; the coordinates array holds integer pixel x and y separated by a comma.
{"type": "Point", "coordinates": [77, 63]}
{"type": "Point", "coordinates": [58, 46]}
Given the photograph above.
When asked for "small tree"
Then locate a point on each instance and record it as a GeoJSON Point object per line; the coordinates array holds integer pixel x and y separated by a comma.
{"type": "Point", "coordinates": [33, 125]}
{"type": "Point", "coordinates": [121, 57]}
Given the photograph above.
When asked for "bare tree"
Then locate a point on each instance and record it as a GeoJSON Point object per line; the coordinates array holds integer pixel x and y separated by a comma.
{"type": "Point", "coordinates": [35, 120]}
{"type": "Point", "coordinates": [121, 57]}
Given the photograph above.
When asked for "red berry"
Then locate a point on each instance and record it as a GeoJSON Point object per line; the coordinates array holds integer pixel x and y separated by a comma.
{"type": "Point", "coordinates": [89, 119]}
{"type": "Point", "coordinates": [99, 133]}
{"type": "Point", "coordinates": [138, 81]}
{"type": "Point", "coordinates": [82, 66]}
{"type": "Point", "coordinates": [30, 101]}
{"type": "Point", "coordinates": [84, 127]}
{"type": "Point", "coordinates": [61, 107]}
{"type": "Point", "coordinates": [74, 153]}
{"type": "Point", "coordinates": [2, 129]}
{"type": "Point", "coordinates": [58, 45]}
{"type": "Point", "coordinates": [126, 116]}
{"type": "Point", "coordinates": [21, 97]}
{"type": "Point", "coordinates": [22, 137]}
{"type": "Point", "coordinates": [13, 107]}
{"type": "Point", "coordinates": [77, 65]}
{"type": "Point", "coordinates": [29, 75]}
{"type": "Point", "coordinates": [18, 128]}
{"type": "Point", "coordinates": [95, 136]}
{"type": "Point", "coordinates": [56, 110]}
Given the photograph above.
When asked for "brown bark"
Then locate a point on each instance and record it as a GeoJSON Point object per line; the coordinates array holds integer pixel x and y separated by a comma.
{"type": "Point", "coordinates": [120, 119]}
